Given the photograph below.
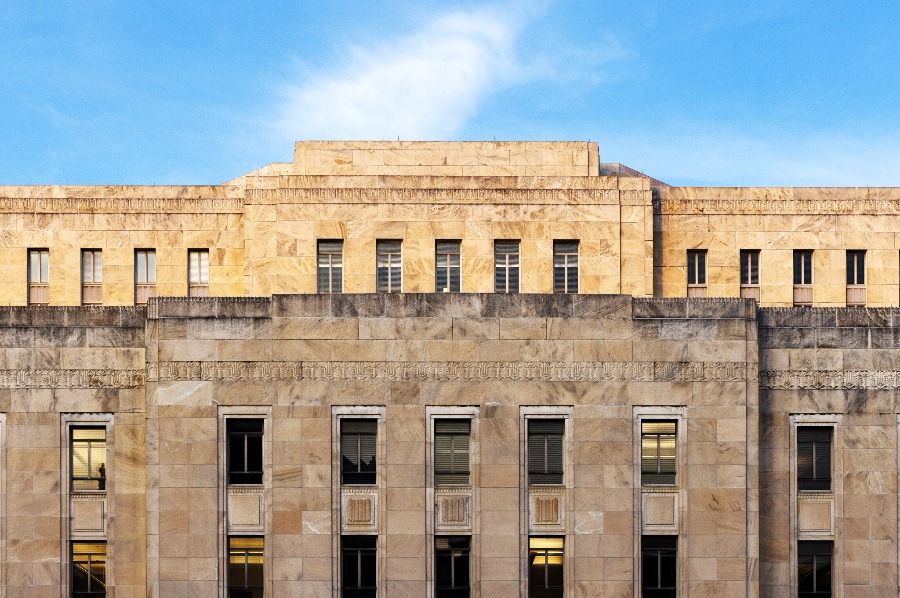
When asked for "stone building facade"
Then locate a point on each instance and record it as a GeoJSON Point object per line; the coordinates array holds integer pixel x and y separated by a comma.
{"type": "Point", "coordinates": [449, 369]}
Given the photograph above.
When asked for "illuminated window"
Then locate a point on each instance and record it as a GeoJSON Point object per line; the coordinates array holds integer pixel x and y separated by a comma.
{"type": "Point", "coordinates": [245, 567]}
{"type": "Point", "coordinates": [565, 266]}
{"type": "Point", "coordinates": [88, 468]}
{"type": "Point", "coordinates": [814, 569]}
{"type": "Point", "coordinates": [358, 447]}
{"type": "Point", "coordinates": [245, 450]}
{"type": "Point", "coordinates": [358, 567]}
{"type": "Point", "coordinates": [91, 276]}
{"type": "Point", "coordinates": [545, 451]}
{"type": "Point", "coordinates": [88, 569]}
{"type": "Point", "coordinates": [506, 266]}
{"type": "Point", "coordinates": [451, 451]}
{"type": "Point", "coordinates": [144, 275]}
{"type": "Point", "coordinates": [659, 566]}
{"type": "Point", "coordinates": [545, 567]}
{"type": "Point", "coordinates": [658, 453]}
{"type": "Point", "coordinates": [814, 458]}
{"type": "Point", "coordinates": [38, 276]}
{"type": "Point", "coordinates": [446, 267]}
{"type": "Point", "coordinates": [451, 567]}
{"type": "Point", "coordinates": [198, 272]}
{"type": "Point", "coordinates": [330, 267]}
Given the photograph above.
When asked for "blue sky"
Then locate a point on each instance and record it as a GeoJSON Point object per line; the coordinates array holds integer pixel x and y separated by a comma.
{"type": "Point", "coordinates": [719, 92]}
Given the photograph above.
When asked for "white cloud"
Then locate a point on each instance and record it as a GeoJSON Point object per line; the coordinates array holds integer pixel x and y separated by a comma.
{"type": "Point", "coordinates": [421, 86]}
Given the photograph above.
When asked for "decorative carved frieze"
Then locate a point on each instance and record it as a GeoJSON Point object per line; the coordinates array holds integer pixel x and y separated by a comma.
{"type": "Point", "coordinates": [463, 371]}
{"type": "Point", "coordinates": [778, 206]}
{"type": "Point", "coordinates": [829, 379]}
{"type": "Point", "coordinates": [121, 205]}
{"type": "Point", "coordinates": [546, 509]}
{"type": "Point", "coordinates": [432, 195]}
{"type": "Point", "coordinates": [118, 379]}
{"type": "Point", "coordinates": [358, 508]}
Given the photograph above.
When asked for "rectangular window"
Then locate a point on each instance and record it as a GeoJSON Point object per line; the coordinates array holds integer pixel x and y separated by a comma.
{"type": "Point", "coordinates": [451, 566]}
{"type": "Point", "coordinates": [446, 267]}
{"type": "Point", "coordinates": [88, 467]}
{"type": "Point", "coordinates": [506, 266]}
{"type": "Point", "coordinates": [659, 566]}
{"type": "Point", "coordinates": [245, 450]}
{"type": "Point", "coordinates": [814, 458]}
{"type": "Point", "coordinates": [856, 277]}
{"type": "Point", "coordinates": [144, 275]}
{"type": "Point", "coordinates": [545, 567]}
{"type": "Point", "coordinates": [358, 448]}
{"type": "Point", "coordinates": [38, 276]}
{"type": "Point", "coordinates": [388, 267]}
{"type": "Point", "coordinates": [658, 458]}
{"type": "Point", "coordinates": [814, 569]}
{"type": "Point", "coordinates": [330, 267]}
{"type": "Point", "coordinates": [91, 277]}
{"type": "Point", "coordinates": [565, 266]}
{"type": "Point", "coordinates": [245, 567]}
{"type": "Point", "coordinates": [451, 451]}
{"type": "Point", "coordinates": [88, 569]}
{"type": "Point", "coordinates": [803, 277]}
{"type": "Point", "coordinates": [545, 451]}
{"type": "Point", "coordinates": [198, 272]}
{"type": "Point", "coordinates": [750, 274]}
{"type": "Point", "coordinates": [359, 573]}
{"type": "Point", "coordinates": [696, 273]}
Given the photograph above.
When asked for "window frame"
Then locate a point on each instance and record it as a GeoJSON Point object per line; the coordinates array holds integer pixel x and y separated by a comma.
{"type": "Point", "coordinates": [72, 569]}
{"type": "Point", "coordinates": [556, 591]}
{"type": "Point", "coordinates": [810, 547]}
{"type": "Point", "coordinates": [447, 259]}
{"type": "Point", "coordinates": [144, 289]}
{"type": "Point", "coordinates": [815, 483]}
{"type": "Point", "coordinates": [547, 475]}
{"type": "Point", "coordinates": [504, 268]}
{"type": "Point", "coordinates": [454, 590]}
{"type": "Point", "coordinates": [92, 289]}
{"type": "Point", "coordinates": [443, 478]}
{"type": "Point", "coordinates": [658, 546]}
{"type": "Point", "coordinates": [247, 553]}
{"type": "Point", "coordinates": [393, 266]}
{"type": "Point", "coordinates": [102, 469]}
{"type": "Point", "coordinates": [38, 290]}
{"type": "Point", "coordinates": [645, 475]}
{"type": "Point", "coordinates": [358, 590]}
{"type": "Point", "coordinates": [330, 261]}
{"type": "Point", "coordinates": [362, 478]}
{"type": "Point", "coordinates": [749, 273]}
{"type": "Point", "coordinates": [232, 433]}
{"type": "Point", "coordinates": [565, 258]}
{"type": "Point", "coordinates": [200, 286]}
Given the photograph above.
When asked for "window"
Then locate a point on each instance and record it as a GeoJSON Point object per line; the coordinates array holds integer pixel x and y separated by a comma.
{"type": "Point", "coordinates": [451, 566]}
{"type": "Point", "coordinates": [245, 450]}
{"type": "Point", "coordinates": [545, 451]}
{"type": "Point", "coordinates": [856, 277]}
{"type": "Point", "coordinates": [814, 569]}
{"type": "Point", "coordinates": [658, 453]}
{"type": "Point", "coordinates": [750, 274]}
{"type": "Point", "coordinates": [814, 458]}
{"type": "Point", "coordinates": [451, 451]}
{"type": "Point", "coordinates": [38, 276]}
{"type": "Point", "coordinates": [446, 267]}
{"type": "Point", "coordinates": [88, 453]}
{"type": "Point", "coordinates": [198, 272]}
{"type": "Point", "coordinates": [545, 567]}
{"type": "Point", "coordinates": [91, 277]}
{"type": "Point", "coordinates": [803, 277]}
{"type": "Point", "coordinates": [330, 267]}
{"type": "Point", "coordinates": [358, 447]}
{"type": "Point", "coordinates": [245, 567]}
{"type": "Point", "coordinates": [144, 275]}
{"type": "Point", "coordinates": [358, 567]}
{"type": "Point", "coordinates": [565, 266]}
{"type": "Point", "coordinates": [696, 273]}
{"type": "Point", "coordinates": [506, 266]}
{"type": "Point", "coordinates": [88, 569]}
{"type": "Point", "coordinates": [389, 269]}
{"type": "Point", "coordinates": [659, 566]}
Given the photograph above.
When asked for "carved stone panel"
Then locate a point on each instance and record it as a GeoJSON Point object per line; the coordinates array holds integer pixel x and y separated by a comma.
{"type": "Point", "coordinates": [546, 510]}
{"type": "Point", "coordinates": [358, 510]}
{"type": "Point", "coordinates": [246, 510]}
{"type": "Point", "coordinates": [88, 516]}
{"type": "Point", "coordinates": [452, 510]}
{"type": "Point", "coordinates": [659, 512]}
{"type": "Point", "coordinates": [815, 516]}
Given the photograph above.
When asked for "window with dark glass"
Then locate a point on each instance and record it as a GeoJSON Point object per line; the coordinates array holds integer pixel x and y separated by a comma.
{"type": "Point", "coordinates": [330, 267]}
{"type": "Point", "coordinates": [565, 266]}
{"type": "Point", "coordinates": [856, 267]}
{"type": "Point", "coordinates": [658, 462]}
{"type": "Point", "coordinates": [245, 567]}
{"type": "Point", "coordinates": [506, 266]}
{"type": "Point", "coordinates": [696, 267]}
{"type": "Point", "coordinates": [358, 567]}
{"type": "Point", "coordinates": [451, 566]}
{"type": "Point", "coordinates": [659, 566]}
{"type": "Point", "coordinates": [88, 454]}
{"type": "Point", "coordinates": [803, 266]}
{"type": "Point", "coordinates": [198, 272]}
{"type": "Point", "coordinates": [446, 266]}
{"type": "Point", "coordinates": [451, 451]}
{"type": "Point", "coordinates": [749, 267]}
{"type": "Point", "coordinates": [814, 569]}
{"type": "Point", "coordinates": [545, 567]}
{"type": "Point", "coordinates": [91, 276]}
{"type": "Point", "coordinates": [814, 458]}
{"type": "Point", "coordinates": [388, 267]}
{"type": "Point", "coordinates": [88, 569]}
{"type": "Point", "coordinates": [358, 447]}
{"type": "Point", "coordinates": [38, 276]}
{"type": "Point", "coordinates": [245, 450]}
{"type": "Point", "coordinates": [144, 275]}
{"type": "Point", "coordinates": [545, 451]}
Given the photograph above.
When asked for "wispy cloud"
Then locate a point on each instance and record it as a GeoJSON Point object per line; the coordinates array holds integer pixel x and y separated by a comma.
{"type": "Point", "coordinates": [424, 85]}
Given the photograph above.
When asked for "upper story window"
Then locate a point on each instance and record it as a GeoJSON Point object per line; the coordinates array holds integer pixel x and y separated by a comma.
{"type": "Point", "coordinates": [451, 451]}
{"type": "Point", "coordinates": [565, 266]}
{"type": "Point", "coordinates": [545, 567]}
{"type": "Point", "coordinates": [451, 567]}
{"type": "Point", "coordinates": [38, 276]}
{"type": "Point", "coordinates": [803, 279]}
{"type": "Point", "coordinates": [696, 273]}
{"type": "Point", "coordinates": [245, 450]}
{"type": "Point", "coordinates": [245, 567]}
{"type": "Point", "coordinates": [659, 566]}
{"type": "Point", "coordinates": [388, 267]}
{"type": "Point", "coordinates": [856, 277]}
{"type": "Point", "coordinates": [88, 454]}
{"type": "Point", "coordinates": [750, 274]}
{"type": "Point", "coordinates": [91, 276]}
{"type": "Point", "coordinates": [506, 266]}
{"type": "Point", "coordinates": [658, 455]}
{"type": "Point", "coordinates": [545, 451]}
{"type": "Point", "coordinates": [358, 449]}
{"type": "Point", "coordinates": [144, 275]}
{"type": "Point", "coordinates": [330, 267]}
{"type": "Point", "coordinates": [814, 568]}
{"type": "Point", "coordinates": [814, 458]}
{"type": "Point", "coordinates": [88, 569]}
{"type": "Point", "coordinates": [359, 570]}
{"type": "Point", "coordinates": [198, 272]}
{"type": "Point", "coordinates": [446, 266]}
